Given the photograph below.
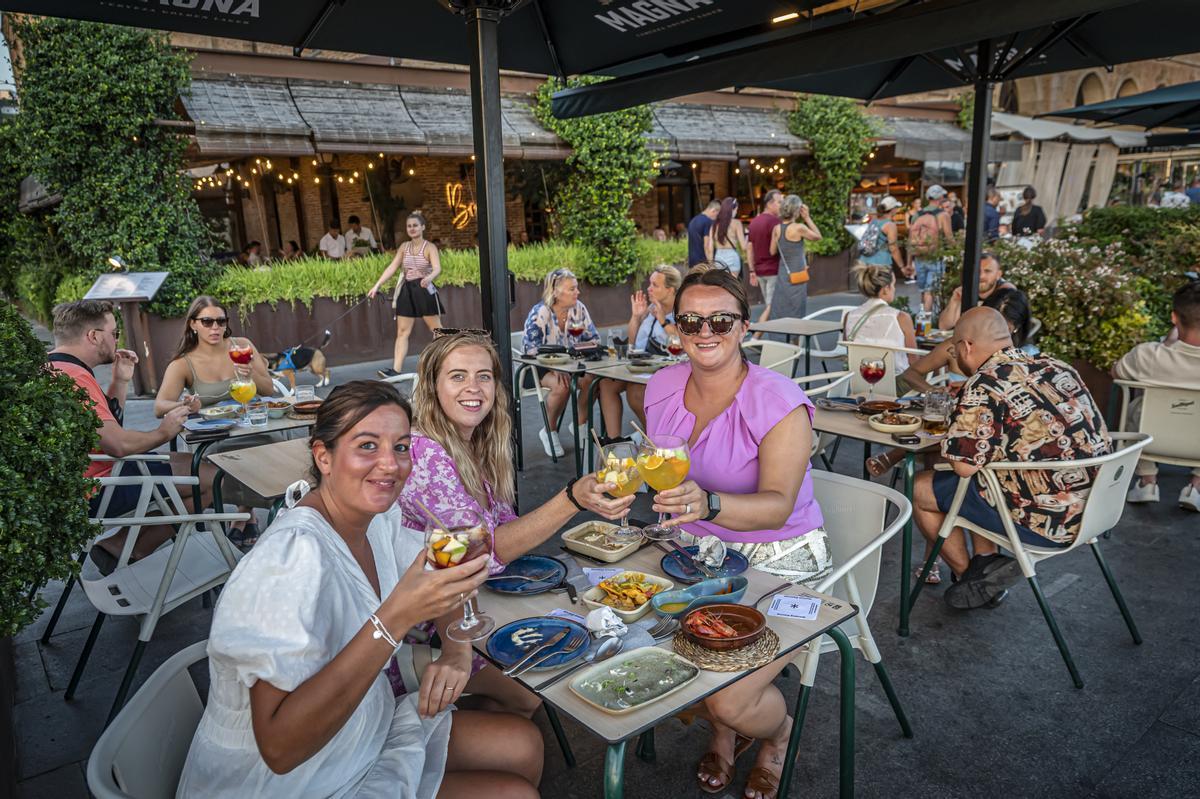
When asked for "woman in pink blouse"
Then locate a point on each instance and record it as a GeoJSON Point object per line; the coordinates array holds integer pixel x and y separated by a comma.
{"type": "Point", "coordinates": [749, 430]}
{"type": "Point", "coordinates": [462, 458]}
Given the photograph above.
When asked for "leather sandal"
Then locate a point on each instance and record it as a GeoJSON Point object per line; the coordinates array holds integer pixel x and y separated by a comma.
{"type": "Point", "coordinates": [763, 782]}
{"type": "Point", "coordinates": [716, 766]}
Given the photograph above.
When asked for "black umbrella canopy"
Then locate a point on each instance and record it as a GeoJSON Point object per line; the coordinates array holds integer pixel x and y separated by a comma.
{"type": "Point", "coordinates": [1170, 106]}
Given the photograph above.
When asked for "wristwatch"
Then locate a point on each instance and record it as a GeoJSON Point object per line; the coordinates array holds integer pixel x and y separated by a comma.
{"type": "Point", "coordinates": [714, 505]}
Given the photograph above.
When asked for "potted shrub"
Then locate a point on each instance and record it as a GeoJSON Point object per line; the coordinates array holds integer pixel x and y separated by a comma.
{"type": "Point", "coordinates": [45, 436]}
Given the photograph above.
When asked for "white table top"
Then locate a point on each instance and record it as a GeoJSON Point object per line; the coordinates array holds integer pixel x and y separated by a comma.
{"type": "Point", "coordinates": [272, 425]}
{"type": "Point", "coordinates": [848, 425]}
{"type": "Point", "coordinates": [793, 326]}
{"type": "Point", "coordinates": [612, 728]}
{"type": "Point", "coordinates": [269, 469]}
{"type": "Point", "coordinates": [572, 366]}
{"type": "Point", "coordinates": [621, 372]}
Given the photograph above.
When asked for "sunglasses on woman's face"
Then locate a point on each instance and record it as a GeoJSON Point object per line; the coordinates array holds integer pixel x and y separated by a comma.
{"type": "Point", "coordinates": [720, 323]}
{"type": "Point", "coordinates": [209, 321]}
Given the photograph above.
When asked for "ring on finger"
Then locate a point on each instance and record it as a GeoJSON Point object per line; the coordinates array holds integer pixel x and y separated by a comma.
{"type": "Point", "coordinates": [687, 508]}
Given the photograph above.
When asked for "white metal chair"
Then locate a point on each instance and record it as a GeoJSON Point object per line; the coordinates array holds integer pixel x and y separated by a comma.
{"type": "Point", "coordinates": [1035, 330]}
{"type": "Point", "coordinates": [776, 355]}
{"type": "Point", "coordinates": [527, 384]}
{"type": "Point", "coordinates": [281, 388]}
{"type": "Point", "coordinates": [855, 513]}
{"type": "Point", "coordinates": [401, 379]}
{"type": "Point", "coordinates": [838, 351]}
{"type": "Point", "coordinates": [1170, 416]}
{"type": "Point", "coordinates": [856, 351]}
{"type": "Point", "coordinates": [193, 562]}
{"type": "Point", "coordinates": [1102, 510]}
{"type": "Point", "coordinates": [837, 385]}
{"type": "Point", "coordinates": [141, 754]}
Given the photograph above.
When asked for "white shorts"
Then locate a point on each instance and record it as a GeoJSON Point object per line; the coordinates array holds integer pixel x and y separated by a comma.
{"type": "Point", "coordinates": [766, 284]}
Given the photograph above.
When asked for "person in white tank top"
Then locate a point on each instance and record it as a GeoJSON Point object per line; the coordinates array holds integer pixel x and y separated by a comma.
{"type": "Point", "coordinates": [876, 321]}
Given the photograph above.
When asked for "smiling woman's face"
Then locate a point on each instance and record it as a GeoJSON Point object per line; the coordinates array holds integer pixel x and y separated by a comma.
{"type": "Point", "coordinates": [368, 465]}
{"type": "Point", "coordinates": [466, 388]}
{"type": "Point", "coordinates": [708, 350]}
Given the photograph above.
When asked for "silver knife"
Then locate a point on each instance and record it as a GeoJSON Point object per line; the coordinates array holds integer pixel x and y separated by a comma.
{"type": "Point", "coordinates": [537, 650]}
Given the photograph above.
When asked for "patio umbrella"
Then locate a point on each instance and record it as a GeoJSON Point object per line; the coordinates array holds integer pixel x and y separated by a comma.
{"type": "Point", "coordinates": [1170, 106]}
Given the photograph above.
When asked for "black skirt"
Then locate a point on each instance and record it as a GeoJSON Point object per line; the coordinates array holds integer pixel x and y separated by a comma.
{"type": "Point", "coordinates": [414, 302]}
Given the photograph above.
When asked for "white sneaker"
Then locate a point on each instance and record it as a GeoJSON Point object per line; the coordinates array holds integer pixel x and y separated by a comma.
{"type": "Point", "coordinates": [1189, 498]}
{"type": "Point", "coordinates": [558, 447]}
{"type": "Point", "coordinates": [546, 439]}
{"type": "Point", "coordinates": [1144, 493]}
{"type": "Point", "coordinates": [571, 429]}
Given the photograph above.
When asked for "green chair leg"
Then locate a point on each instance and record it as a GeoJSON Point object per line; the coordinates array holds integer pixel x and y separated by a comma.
{"type": "Point", "coordinates": [1116, 592]}
{"type": "Point", "coordinates": [563, 743]}
{"type": "Point", "coordinates": [925, 570]}
{"type": "Point", "coordinates": [886, 682]}
{"type": "Point", "coordinates": [126, 681]}
{"type": "Point", "coordinates": [645, 746]}
{"type": "Point", "coordinates": [614, 771]}
{"type": "Point", "coordinates": [846, 722]}
{"type": "Point", "coordinates": [1058, 638]}
{"type": "Point", "coordinates": [83, 657]}
{"type": "Point", "coordinates": [789, 759]}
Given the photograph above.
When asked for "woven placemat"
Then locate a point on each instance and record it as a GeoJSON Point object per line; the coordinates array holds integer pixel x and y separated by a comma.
{"type": "Point", "coordinates": [760, 653]}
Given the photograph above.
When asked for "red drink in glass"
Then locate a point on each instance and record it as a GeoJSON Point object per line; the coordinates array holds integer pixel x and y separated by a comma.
{"type": "Point", "coordinates": [575, 330]}
{"type": "Point", "coordinates": [872, 371]}
{"type": "Point", "coordinates": [675, 349]}
{"type": "Point", "coordinates": [241, 355]}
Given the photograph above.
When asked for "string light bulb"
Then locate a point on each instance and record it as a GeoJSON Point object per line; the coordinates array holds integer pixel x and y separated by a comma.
{"type": "Point", "coordinates": [356, 173]}
{"type": "Point", "coordinates": [370, 165]}
{"type": "Point", "coordinates": [254, 170]}
{"type": "Point", "coordinates": [314, 162]}
{"type": "Point", "coordinates": [258, 160]}
{"type": "Point", "coordinates": [316, 180]}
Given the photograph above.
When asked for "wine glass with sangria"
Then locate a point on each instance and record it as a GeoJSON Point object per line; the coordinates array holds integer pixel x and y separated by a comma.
{"type": "Point", "coordinates": [619, 467]}
{"type": "Point", "coordinates": [575, 329]}
{"type": "Point", "coordinates": [455, 537]}
{"type": "Point", "coordinates": [242, 388]}
{"type": "Point", "coordinates": [674, 346]}
{"type": "Point", "coordinates": [663, 464]}
{"type": "Point", "coordinates": [872, 370]}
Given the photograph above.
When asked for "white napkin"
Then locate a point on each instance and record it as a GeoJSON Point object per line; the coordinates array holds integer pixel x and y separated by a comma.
{"type": "Point", "coordinates": [712, 551]}
{"type": "Point", "coordinates": [602, 622]}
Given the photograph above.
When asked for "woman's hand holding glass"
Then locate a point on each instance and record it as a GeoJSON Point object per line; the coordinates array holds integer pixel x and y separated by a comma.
{"type": "Point", "coordinates": [424, 595]}
{"type": "Point", "coordinates": [594, 495]}
{"type": "Point", "coordinates": [686, 503]}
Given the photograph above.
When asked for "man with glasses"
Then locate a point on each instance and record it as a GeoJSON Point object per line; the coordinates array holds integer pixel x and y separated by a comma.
{"type": "Point", "coordinates": [85, 336]}
{"type": "Point", "coordinates": [1013, 407]}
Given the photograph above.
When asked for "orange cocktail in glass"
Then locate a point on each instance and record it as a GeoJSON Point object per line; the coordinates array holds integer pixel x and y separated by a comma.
{"type": "Point", "coordinates": [663, 464]}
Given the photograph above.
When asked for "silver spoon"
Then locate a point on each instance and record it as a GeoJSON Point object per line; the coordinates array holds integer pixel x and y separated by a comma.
{"type": "Point", "coordinates": [607, 649]}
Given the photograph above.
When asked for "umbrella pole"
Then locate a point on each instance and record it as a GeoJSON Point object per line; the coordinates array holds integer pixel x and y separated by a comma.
{"type": "Point", "coordinates": [977, 174]}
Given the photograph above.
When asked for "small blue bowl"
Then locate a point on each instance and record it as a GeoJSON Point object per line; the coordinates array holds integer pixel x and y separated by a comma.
{"type": "Point", "coordinates": [706, 592]}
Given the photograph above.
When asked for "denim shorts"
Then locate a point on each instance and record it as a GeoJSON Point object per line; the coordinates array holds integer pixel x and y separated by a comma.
{"type": "Point", "coordinates": [976, 510]}
{"type": "Point", "coordinates": [928, 273]}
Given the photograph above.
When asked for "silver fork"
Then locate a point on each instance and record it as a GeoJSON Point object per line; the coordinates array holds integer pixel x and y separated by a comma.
{"type": "Point", "coordinates": [568, 649]}
{"type": "Point", "coordinates": [664, 628]}
{"type": "Point", "coordinates": [535, 579]}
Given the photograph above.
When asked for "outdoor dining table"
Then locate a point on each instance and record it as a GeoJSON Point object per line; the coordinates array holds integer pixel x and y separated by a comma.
{"type": "Point", "coordinates": [267, 470]}
{"type": "Point", "coordinates": [200, 443]}
{"type": "Point", "coordinates": [794, 327]}
{"type": "Point", "coordinates": [617, 729]}
{"type": "Point", "coordinates": [849, 424]}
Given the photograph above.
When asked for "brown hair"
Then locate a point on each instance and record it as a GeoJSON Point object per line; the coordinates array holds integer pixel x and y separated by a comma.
{"type": "Point", "coordinates": [872, 278]}
{"type": "Point", "coordinates": [709, 273]}
{"type": "Point", "coordinates": [73, 319]}
{"type": "Point", "coordinates": [728, 207]}
{"type": "Point", "coordinates": [190, 340]}
{"type": "Point", "coordinates": [487, 457]}
{"type": "Point", "coordinates": [346, 406]}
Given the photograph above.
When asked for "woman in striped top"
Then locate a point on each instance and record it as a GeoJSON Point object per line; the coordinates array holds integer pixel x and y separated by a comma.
{"type": "Point", "coordinates": [415, 295]}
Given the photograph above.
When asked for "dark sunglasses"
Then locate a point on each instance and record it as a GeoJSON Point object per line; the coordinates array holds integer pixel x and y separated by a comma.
{"type": "Point", "coordinates": [438, 332]}
{"type": "Point", "coordinates": [720, 323]}
{"type": "Point", "coordinates": [209, 321]}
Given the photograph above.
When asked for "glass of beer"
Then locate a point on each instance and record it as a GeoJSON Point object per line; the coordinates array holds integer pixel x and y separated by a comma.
{"type": "Point", "coordinates": [464, 537]}
{"type": "Point", "coordinates": [618, 465]}
{"type": "Point", "coordinates": [935, 418]}
{"type": "Point", "coordinates": [664, 465]}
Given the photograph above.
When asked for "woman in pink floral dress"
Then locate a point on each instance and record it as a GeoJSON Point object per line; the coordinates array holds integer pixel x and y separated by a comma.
{"type": "Point", "coordinates": [462, 459]}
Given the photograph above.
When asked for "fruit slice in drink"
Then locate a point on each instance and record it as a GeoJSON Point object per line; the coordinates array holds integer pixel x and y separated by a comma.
{"type": "Point", "coordinates": [241, 356]}
{"type": "Point", "coordinates": [242, 392]}
{"type": "Point", "coordinates": [663, 468]}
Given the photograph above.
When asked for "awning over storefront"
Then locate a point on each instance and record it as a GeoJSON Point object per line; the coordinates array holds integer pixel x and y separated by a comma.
{"type": "Point", "coordinates": [1044, 129]}
{"type": "Point", "coordinates": [723, 133]}
{"type": "Point", "coordinates": [930, 140]}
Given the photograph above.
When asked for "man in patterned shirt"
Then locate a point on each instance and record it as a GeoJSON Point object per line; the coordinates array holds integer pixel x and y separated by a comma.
{"type": "Point", "coordinates": [1014, 407]}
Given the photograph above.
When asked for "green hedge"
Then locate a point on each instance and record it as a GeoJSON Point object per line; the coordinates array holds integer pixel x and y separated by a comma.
{"type": "Point", "coordinates": [306, 278]}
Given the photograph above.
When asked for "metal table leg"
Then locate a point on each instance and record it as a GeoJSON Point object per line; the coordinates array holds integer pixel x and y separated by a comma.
{"type": "Point", "coordinates": [614, 771]}
{"type": "Point", "coordinates": [910, 467]}
{"type": "Point", "coordinates": [218, 479]}
{"type": "Point", "coordinates": [807, 360]}
{"type": "Point", "coordinates": [846, 745]}
{"type": "Point", "coordinates": [574, 417]}
{"type": "Point", "coordinates": [197, 458]}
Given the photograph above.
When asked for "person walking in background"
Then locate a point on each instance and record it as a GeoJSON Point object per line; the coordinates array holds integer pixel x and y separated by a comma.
{"type": "Point", "coordinates": [728, 238]}
{"type": "Point", "coordinates": [1193, 191]}
{"type": "Point", "coordinates": [359, 237]}
{"type": "Point", "coordinates": [791, 293]}
{"type": "Point", "coordinates": [333, 243]}
{"type": "Point", "coordinates": [880, 243]}
{"type": "Point", "coordinates": [991, 215]}
{"type": "Point", "coordinates": [416, 295]}
{"type": "Point", "coordinates": [926, 232]}
{"type": "Point", "coordinates": [1028, 219]}
{"type": "Point", "coordinates": [764, 264]}
{"type": "Point", "coordinates": [697, 233]}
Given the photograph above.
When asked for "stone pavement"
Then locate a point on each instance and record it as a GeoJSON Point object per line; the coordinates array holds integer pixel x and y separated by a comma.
{"type": "Point", "coordinates": [991, 704]}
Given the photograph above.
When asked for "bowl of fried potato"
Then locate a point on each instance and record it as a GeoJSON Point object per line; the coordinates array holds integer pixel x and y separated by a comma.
{"type": "Point", "coordinates": [627, 593]}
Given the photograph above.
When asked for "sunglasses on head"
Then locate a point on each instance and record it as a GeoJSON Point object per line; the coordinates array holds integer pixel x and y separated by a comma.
{"type": "Point", "coordinates": [438, 332]}
{"type": "Point", "coordinates": [209, 321]}
{"type": "Point", "coordinates": [720, 323]}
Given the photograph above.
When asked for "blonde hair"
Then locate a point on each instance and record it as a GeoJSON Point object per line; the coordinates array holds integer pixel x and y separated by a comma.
{"type": "Point", "coordinates": [790, 207]}
{"type": "Point", "coordinates": [552, 281]}
{"type": "Point", "coordinates": [486, 460]}
{"type": "Point", "coordinates": [672, 277]}
{"type": "Point", "coordinates": [872, 278]}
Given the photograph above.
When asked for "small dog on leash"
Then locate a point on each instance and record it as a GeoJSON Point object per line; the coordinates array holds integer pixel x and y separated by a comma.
{"type": "Point", "coordinates": [297, 359]}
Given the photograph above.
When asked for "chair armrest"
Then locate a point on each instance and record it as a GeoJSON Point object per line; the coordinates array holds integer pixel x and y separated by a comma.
{"type": "Point", "coordinates": [140, 479]}
{"type": "Point", "coordinates": [146, 521]}
{"type": "Point", "coordinates": [151, 456]}
{"type": "Point", "coordinates": [1140, 440]}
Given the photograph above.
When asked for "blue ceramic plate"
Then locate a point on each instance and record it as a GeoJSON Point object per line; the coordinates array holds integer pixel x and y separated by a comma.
{"type": "Point", "coordinates": [504, 651]}
{"type": "Point", "coordinates": [717, 591]}
{"type": "Point", "coordinates": [529, 566]}
{"type": "Point", "coordinates": [673, 566]}
{"type": "Point", "coordinates": [209, 425]}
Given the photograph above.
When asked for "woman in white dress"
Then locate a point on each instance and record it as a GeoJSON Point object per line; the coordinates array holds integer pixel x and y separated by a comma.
{"type": "Point", "coordinates": [299, 704]}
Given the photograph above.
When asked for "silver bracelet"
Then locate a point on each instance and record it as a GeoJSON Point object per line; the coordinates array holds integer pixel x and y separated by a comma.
{"type": "Point", "coordinates": [382, 632]}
